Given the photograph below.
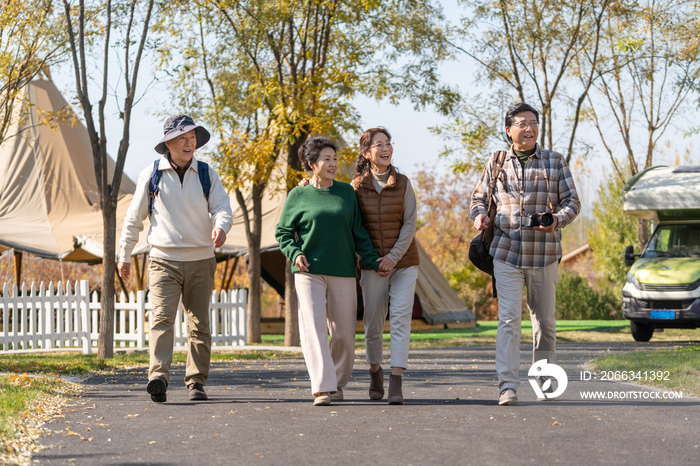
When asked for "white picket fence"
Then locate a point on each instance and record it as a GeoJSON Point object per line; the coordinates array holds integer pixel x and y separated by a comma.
{"type": "Point", "coordinates": [56, 318]}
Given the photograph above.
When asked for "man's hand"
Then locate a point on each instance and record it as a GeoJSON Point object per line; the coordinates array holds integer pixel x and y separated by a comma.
{"type": "Point", "coordinates": [124, 269]}
{"type": "Point", "coordinates": [385, 266]}
{"type": "Point", "coordinates": [550, 228]}
{"type": "Point", "coordinates": [219, 237]}
{"type": "Point", "coordinates": [481, 222]}
{"type": "Point", "coordinates": [301, 263]}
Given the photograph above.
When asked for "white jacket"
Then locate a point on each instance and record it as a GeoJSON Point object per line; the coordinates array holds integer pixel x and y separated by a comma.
{"type": "Point", "coordinates": [182, 219]}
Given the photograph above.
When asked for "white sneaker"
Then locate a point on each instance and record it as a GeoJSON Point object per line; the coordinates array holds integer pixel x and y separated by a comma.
{"type": "Point", "coordinates": [508, 397]}
{"type": "Point", "coordinates": [337, 396]}
{"type": "Point", "coordinates": [323, 400]}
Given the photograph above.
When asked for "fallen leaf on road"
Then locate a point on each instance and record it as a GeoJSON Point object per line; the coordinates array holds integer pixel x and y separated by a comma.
{"type": "Point", "coordinates": [151, 442]}
{"type": "Point", "coordinates": [87, 439]}
{"type": "Point", "coordinates": [555, 423]}
{"type": "Point", "coordinates": [133, 415]}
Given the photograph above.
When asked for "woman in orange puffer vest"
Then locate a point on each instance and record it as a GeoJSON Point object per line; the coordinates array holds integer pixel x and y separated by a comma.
{"type": "Point", "coordinates": [388, 206]}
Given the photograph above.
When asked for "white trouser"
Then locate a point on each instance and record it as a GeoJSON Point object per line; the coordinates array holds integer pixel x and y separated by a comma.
{"type": "Point", "coordinates": [327, 303]}
{"type": "Point", "coordinates": [397, 291]}
{"type": "Point", "coordinates": [541, 301]}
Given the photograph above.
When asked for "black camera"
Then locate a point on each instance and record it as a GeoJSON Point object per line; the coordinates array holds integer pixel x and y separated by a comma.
{"type": "Point", "coordinates": [536, 220]}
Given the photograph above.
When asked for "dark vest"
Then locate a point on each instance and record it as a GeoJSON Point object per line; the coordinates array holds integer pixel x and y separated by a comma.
{"type": "Point", "coordinates": [382, 214]}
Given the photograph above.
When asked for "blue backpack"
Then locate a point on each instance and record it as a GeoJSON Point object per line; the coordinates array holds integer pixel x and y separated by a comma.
{"type": "Point", "coordinates": [154, 190]}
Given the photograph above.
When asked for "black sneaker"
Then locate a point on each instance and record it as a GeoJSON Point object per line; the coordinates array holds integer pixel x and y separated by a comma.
{"type": "Point", "coordinates": [157, 388]}
{"type": "Point", "coordinates": [197, 392]}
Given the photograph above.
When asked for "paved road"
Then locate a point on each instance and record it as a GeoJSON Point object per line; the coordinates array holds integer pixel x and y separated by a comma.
{"type": "Point", "coordinates": [260, 413]}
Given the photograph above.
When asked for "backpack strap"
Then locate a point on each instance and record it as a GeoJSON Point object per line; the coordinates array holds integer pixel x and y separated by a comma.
{"type": "Point", "coordinates": [497, 166]}
{"type": "Point", "coordinates": [153, 189]}
{"type": "Point", "coordinates": [203, 170]}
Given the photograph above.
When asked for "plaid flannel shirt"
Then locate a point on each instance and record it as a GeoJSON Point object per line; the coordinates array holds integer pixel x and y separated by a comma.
{"type": "Point", "coordinates": [518, 245]}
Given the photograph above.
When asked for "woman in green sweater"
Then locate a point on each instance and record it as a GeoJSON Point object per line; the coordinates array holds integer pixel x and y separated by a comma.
{"type": "Point", "coordinates": [320, 231]}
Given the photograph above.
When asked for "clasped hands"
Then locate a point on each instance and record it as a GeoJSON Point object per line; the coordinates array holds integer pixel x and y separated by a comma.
{"type": "Point", "coordinates": [385, 265]}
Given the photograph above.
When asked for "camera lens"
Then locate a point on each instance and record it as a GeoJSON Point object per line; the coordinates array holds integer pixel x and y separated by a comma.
{"type": "Point", "coordinates": [546, 219]}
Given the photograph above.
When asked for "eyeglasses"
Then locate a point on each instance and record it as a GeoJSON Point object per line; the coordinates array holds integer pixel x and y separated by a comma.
{"type": "Point", "coordinates": [526, 124]}
{"type": "Point", "coordinates": [380, 146]}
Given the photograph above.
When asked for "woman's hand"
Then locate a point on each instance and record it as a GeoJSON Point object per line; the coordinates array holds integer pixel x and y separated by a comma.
{"type": "Point", "coordinates": [301, 263]}
{"type": "Point", "coordinates": [304, 181]}
{"type": "Point", "coordinates": [385, 266]}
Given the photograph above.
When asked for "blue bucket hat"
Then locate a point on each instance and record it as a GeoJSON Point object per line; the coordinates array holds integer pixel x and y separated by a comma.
{"type": "Point", "coordinates": [179, 125]}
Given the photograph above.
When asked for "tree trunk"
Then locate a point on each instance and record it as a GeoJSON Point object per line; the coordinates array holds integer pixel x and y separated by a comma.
{"type": "Point", "coordinates": [254, 293]}
{"type": "Point", "coordinates": [105, 341]}
{"type": "Point", "coordinates": [18, 267]}
{"type": "Point", "coordinates": [642, 233]}
{"type": "Point", "coordinates": [291, 316]}
{"type": "Point", "coordinates": [254, 266]}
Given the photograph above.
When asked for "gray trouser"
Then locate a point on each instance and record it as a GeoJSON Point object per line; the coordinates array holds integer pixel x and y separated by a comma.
{"type": "Point", "coordinates": [194, 281]}
{"type": "Point", "coordinates": [378, 294]}
{"type": "Point", "coordinates": [541, 301]}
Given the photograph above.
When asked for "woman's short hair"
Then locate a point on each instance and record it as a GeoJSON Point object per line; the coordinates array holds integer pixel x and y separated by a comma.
{"type": "Point", "coordinates": [519, 108]}
{"type": "Point", "coordinates": [311, 150]}
{"type": "Point", "coordinates": [362, 163]}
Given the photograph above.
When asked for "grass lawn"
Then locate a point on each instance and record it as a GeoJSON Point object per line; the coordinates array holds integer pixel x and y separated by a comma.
{"type": "Point", "coordinates": [682, 364]}
{"type": "Point", "coordinates": [485, 334]}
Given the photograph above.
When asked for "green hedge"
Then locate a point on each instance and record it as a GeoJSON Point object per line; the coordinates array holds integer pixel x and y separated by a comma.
{"type": "Point", "coordinates": [577, 300]}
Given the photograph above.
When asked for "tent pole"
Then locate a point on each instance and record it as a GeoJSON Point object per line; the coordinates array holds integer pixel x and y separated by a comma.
{"type": "Point", "coordinates": [230, 275]}
{"type": "Point", "coordinates": [137, 270]}
{"type": "Point", "coordinates": [144, 261]}
{"type": "Point", "coordinates": [121, 283]}
{"type": "Point", "coordinates": [18, 267]}
{"type": "Point", "coordinates": [223, 278]}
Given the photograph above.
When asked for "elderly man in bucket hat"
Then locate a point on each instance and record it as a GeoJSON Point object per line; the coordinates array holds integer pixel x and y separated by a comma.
{"type": "Point", "coordinates": [190, 215]}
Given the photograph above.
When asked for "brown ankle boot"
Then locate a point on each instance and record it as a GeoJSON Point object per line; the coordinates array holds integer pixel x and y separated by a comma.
{"type": "Point", "coordinates": [395, 393]}
{"type": "Point", "coordinates": [376, 384]}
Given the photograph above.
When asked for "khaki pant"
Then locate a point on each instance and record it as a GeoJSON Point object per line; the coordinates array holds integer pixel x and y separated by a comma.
{"type": "Point", "coordinates": [541, 301]}
{"type": "Point", "coordinates": [168, 281]}
{"type": "Point", "coordinates": [326, 304]}
{"type": "Point", "coordinates": [397, 290]}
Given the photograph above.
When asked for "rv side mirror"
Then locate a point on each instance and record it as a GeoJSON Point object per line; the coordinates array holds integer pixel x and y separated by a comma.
{"type": "Point", "coordinates": [629, 255]}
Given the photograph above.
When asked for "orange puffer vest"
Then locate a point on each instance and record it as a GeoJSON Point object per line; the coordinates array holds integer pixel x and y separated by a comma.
{"type": "Point", "coordinates": [382, 214]}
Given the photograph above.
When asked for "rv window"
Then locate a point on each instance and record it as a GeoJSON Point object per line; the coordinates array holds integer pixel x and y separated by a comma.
{"type": "Point", "coordinates": [674, 241]}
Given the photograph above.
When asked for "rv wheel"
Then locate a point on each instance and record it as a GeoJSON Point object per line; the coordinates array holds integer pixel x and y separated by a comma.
{"type": "Point", "coordinates": [641, 331]}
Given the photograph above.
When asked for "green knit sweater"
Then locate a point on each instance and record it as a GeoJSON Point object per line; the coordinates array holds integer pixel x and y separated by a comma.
{"type": "Point", "coordinates": [329, 228]}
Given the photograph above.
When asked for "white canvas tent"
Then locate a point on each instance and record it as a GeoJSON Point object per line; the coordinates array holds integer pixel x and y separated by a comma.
{"type": "Point", "coordinates": [49, 205]}
{"type": "Point", "coordinates": [664, 193]}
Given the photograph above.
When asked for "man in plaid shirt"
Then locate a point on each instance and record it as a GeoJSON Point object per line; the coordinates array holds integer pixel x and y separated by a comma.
{"type": "Point", "coordinates": [531, 181]}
